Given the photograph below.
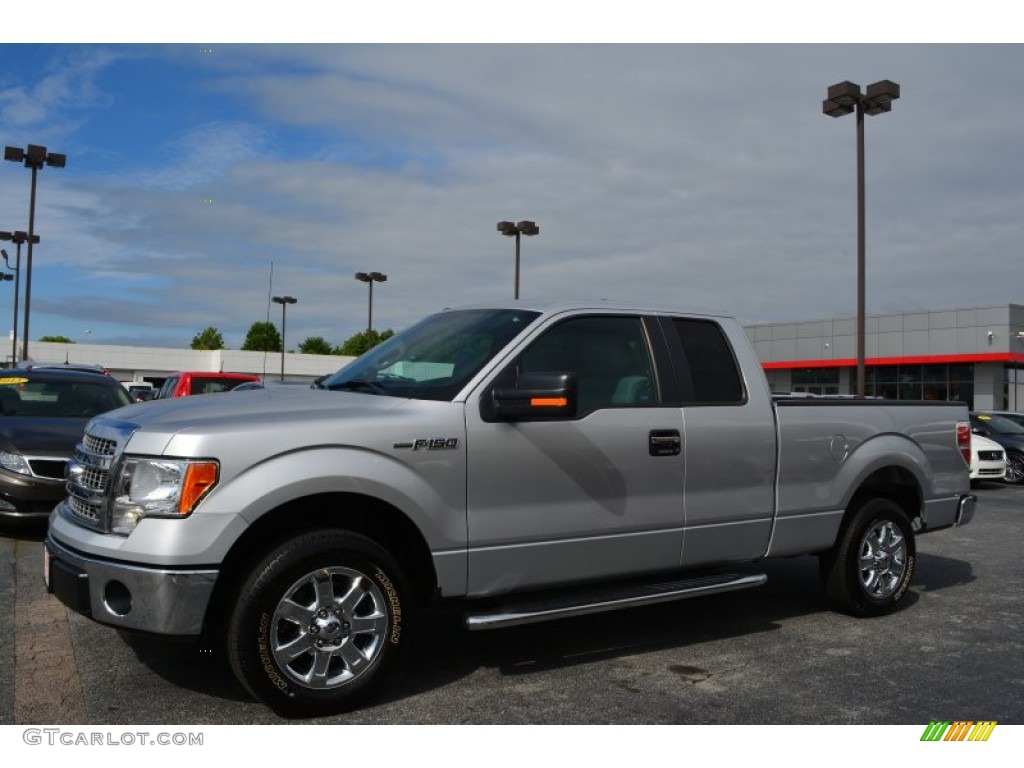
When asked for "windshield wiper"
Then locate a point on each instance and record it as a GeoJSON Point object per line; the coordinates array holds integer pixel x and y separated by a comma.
{"type": "Point", "coordinates": [354, 384]}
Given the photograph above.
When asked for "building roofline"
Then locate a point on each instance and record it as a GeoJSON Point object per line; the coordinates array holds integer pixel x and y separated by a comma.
{"type": "Point", "coordinates": [991, 357]}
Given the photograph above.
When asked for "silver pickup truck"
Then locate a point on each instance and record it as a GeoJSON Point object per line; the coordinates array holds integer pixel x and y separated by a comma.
{"type": "Point", "coordinates": [530, 463]}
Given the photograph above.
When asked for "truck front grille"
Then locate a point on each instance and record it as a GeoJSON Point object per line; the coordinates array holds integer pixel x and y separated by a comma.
{"type": "Point", "coordinates": [99, 445]}
{"type": "Point", "coordinates": [89, 473]}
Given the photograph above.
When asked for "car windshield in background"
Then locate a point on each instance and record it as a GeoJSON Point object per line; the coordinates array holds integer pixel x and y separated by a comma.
{"type": "Point", "coordinates": [435, 358]}
{"type": "Point", "coordinates": [63, 397]}
{"type": "Point", "coordinates": [1001, 425]}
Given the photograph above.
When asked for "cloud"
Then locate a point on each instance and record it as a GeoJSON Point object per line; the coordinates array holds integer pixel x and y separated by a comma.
{"type": "Point", "coordinates": [56, 103]}
{"type": "Point", "coordinates": [696, 176]}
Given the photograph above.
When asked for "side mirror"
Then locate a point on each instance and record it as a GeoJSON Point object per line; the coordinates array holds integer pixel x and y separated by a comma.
{"type": "Point", "coordinates": [538, 396]}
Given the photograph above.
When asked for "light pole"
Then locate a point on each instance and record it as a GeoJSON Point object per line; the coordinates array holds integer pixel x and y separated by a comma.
{"type": "Point", "coordinates": [370, 278]}
{"type": "Point", "coordinates": [522, 228]}
{"type": "Point", "coordinates": [284, 301]}
{"type": "Point", "coordinates": [17, 238]}
{"type": "Point", "coordinates": [844, 98]}
{"type": "Point", "coordinates": [4, 277]}
{"type": "Point", "coordinates": [34, 157]}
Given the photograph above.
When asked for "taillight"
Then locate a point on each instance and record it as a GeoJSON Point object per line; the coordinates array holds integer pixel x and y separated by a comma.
{"type": "Point", "coordinates": [963, 440]}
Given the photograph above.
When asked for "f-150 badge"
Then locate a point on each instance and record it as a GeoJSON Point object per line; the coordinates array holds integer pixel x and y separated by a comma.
{"type": "Point", "coordinates": [431, 444]}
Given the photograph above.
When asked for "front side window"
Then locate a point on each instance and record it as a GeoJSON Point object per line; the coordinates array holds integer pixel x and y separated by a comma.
{"type": "Point", "coordinates": [610, 356]}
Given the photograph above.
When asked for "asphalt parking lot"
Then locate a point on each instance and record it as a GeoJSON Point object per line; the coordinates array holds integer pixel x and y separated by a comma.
{"type": "Point", "coordinates": [773, 655]}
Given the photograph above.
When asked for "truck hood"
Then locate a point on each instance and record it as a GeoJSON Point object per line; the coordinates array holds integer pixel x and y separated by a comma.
{"type": "Point", "coordinates": [228, 410]}
{"type": "Point", "coordinates": [268, 415]}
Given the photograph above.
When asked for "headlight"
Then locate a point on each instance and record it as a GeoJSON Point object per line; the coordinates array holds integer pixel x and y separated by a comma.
{"type": "Point", "coordinates": [159, 488]}
{"type": "Point", "coordinates": [15, 462]}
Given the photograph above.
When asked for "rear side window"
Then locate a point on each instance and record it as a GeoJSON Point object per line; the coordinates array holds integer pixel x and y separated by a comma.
{"type": "Point", "coordinates": [210, 386]}
{"type": "Point", "coordinates": [708, 373]}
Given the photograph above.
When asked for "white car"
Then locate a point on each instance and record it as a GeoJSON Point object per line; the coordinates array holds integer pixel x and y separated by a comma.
{"type": "Point", "coordinates": [988, 459]}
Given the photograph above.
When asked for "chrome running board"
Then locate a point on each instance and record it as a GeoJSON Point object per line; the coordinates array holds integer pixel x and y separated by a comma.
{"type": "Point", "coordinates": [582, 602]}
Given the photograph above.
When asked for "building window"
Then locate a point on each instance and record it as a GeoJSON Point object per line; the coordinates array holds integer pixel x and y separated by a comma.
{"type": "Point", "coordinates": [921, 382]}
{"type": "Point", "coordinates": [1013, 387]}
{"type": "Point", "coordinates": [816, 381]}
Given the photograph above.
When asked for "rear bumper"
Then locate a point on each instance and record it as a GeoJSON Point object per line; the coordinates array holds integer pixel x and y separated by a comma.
{"type": "Point", "coordinates": [965, 512]}
{"type": "Point", "coordinates": [128, 596]}
{"type": "Point", "coordinates": [947, 512]}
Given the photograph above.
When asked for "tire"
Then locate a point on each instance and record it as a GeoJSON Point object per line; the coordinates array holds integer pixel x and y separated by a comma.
{"type": "Point", "coordinates": [318, 624]}
{"type": "Point", "coordinates": [869, 570]}
{"type": "Point", "coordinates": [1014, 468]}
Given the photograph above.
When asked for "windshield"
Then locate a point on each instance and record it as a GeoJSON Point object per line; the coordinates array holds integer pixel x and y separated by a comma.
{"type": "Point", "coordinates": [435, 358]}
{"type": "Point", "coordinates": [24, 396]}
{"type": "Point", "coordinates": [1001, 425]}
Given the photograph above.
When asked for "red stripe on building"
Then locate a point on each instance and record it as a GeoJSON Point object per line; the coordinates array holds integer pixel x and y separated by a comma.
{"type": "Point", "coordinates": [993, 357]}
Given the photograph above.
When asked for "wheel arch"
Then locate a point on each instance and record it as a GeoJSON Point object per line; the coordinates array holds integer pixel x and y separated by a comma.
{"type": "Point", "coordinates": [892, 482]}
{"type": "Point", "coordinates": [368, 516]}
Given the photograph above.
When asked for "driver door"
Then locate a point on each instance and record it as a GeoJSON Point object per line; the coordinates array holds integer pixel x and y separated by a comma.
{"type": "Point", "coordinates": [584, 496]}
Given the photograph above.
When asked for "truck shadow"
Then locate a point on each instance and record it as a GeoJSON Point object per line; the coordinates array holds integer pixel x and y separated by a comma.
{"type": "Point", "coordinates": [444, 652]}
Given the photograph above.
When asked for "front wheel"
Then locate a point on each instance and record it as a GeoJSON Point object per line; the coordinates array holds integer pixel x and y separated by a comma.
{"type": "Point", "coordinates": [318, 623]}
{"type": "Point", "coordinates": [869, 570]}
{"type": "Point", "coordinates": [1014, 468]}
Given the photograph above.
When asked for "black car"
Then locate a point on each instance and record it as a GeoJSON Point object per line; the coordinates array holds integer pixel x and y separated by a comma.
{"type": "Point", "coordinates": [43, 413]}
{"type": "Point", "coordinates": [1008, 434]}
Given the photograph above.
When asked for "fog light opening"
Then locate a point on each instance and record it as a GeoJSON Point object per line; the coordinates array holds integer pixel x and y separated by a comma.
{"type": "Point", "coordinates": [117, 599]}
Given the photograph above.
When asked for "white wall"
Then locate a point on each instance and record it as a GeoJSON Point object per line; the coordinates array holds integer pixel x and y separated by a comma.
{"type": "Point", "coordinates": [133, 363]}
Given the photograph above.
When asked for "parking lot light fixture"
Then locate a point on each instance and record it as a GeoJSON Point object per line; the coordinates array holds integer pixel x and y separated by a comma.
{"type": "Point", "coordinates": [34, 157]}
{"type": "Point", "coordinates": [842, 99]}
{"type": "Point", "coordinates": [284, 301]}
{"type": "Point", "coordinates": [370, 278]}
{"type": "Point", "coordinates": [17, 238]}
{"type": "Point", "coordinates": [509, 229]}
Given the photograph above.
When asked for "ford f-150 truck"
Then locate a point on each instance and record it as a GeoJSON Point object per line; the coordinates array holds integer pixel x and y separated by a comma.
{"type": "Point", "coordinates": [530, 463]}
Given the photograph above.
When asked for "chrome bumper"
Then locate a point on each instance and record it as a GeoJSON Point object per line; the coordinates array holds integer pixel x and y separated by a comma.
{"type": "Point", "coordinates": [157, 600]}
{"type": "Point", "coordinates": [965, 512]}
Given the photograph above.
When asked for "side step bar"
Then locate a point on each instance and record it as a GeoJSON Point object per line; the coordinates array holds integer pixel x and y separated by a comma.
{"type": "Point", "coordinates": [608, 599]}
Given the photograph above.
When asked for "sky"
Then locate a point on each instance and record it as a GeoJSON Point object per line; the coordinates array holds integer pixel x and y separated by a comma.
{"type": "Point", "coordinates": [203, 177]}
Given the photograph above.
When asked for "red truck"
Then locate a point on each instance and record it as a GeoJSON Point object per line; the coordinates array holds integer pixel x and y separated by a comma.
{"type": "Point", "coordinates": [185, 383]}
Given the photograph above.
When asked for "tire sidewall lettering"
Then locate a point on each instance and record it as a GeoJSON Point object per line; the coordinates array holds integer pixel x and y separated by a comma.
{"type": "Point", "coordinates": [908, 574]}
{"type": "Point", "coordinates": [266, 662]}
{"type": "Point", "coordinates": [394, 603]}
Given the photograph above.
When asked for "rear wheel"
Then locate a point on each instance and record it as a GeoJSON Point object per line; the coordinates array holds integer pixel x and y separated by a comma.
{"type": "Point", "coordinates": [870, 569]}
{"type": "Point", "coordinates": [318, 624]}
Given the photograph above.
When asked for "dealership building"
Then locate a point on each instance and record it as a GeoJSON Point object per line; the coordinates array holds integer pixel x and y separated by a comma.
{"type": "Point", "coordinates": [974, 355]}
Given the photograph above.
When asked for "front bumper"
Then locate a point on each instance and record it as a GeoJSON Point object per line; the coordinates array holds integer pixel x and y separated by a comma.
{"type": "Point", "coordinates": [26, 497]}
{"type": "Point", "coordinates": [129, 596]}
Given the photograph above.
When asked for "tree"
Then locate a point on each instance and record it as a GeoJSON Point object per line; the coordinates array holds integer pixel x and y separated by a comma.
{"type": "Point", "coordinates": [316, 345]}
{"type": "Point", "coordinates": [57, 339]}
{"type": "Point", "coordinates": [262, 337]}
{"type": "Point", "coordinates": [360, 342]}
{"type": "Point", "coordinates": [208, 339]}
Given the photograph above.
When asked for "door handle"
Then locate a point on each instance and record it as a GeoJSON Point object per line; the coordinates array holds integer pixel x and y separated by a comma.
{"type": "Point", "coordinates": [664, 442]}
